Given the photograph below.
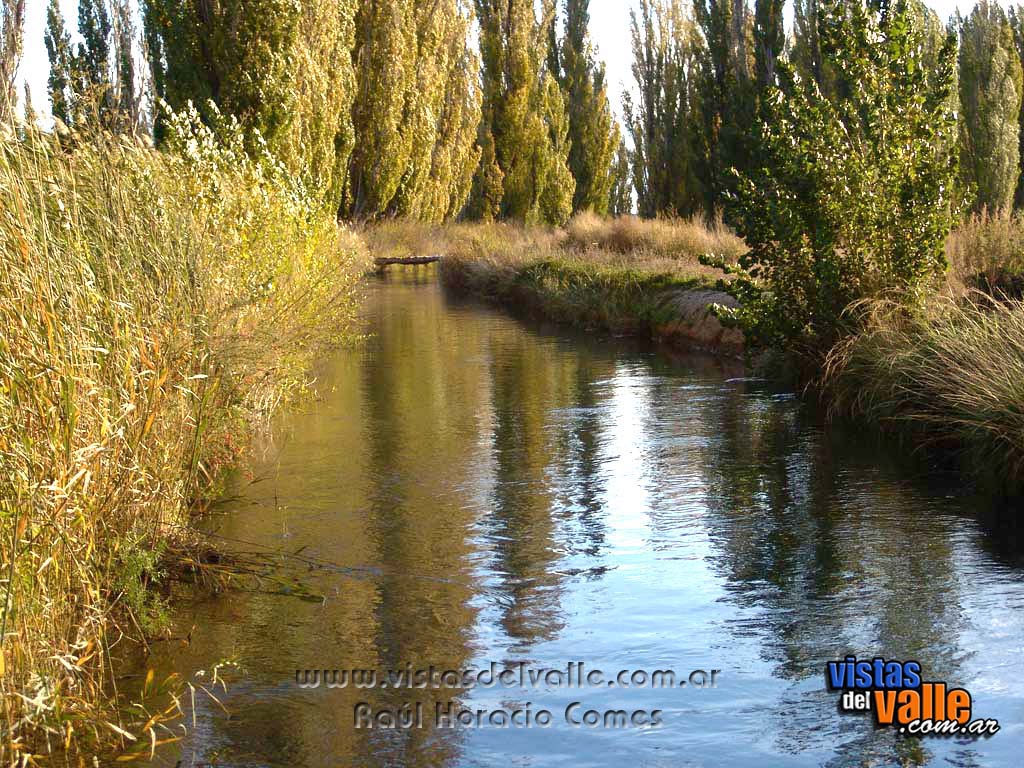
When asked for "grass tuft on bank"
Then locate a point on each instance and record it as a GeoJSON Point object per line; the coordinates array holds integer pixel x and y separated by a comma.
{"type": "Point", "coordinates": [952, 372]}
{"type": "Point", "coordinates": [154, 306]}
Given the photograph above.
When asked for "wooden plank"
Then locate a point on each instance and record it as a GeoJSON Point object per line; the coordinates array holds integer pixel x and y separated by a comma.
{"type": "Point", "coordinates": [415, 260]}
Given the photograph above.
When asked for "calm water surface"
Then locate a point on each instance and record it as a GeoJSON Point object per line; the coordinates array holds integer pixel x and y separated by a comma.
{"type": "Point", "coordinates": [473, 489]}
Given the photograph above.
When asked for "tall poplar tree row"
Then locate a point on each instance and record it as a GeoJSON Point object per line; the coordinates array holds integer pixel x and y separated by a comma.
{"type": "Point", "coordinates": [728, 96]}
{"type": "Point", "coordinates": [58, 49]}
{"type": "Point", "coordinates": [441, 115]}
{"type": "Point", "coordinates": [455, 153]}
{"type": "Point", "coordinates": [93, 83]}
{"type": "Point", "coordinates": [594, 134]}
{"type": "Point", "coordinates": [524, 173]}
{"type": "Point", "coordinates": [385, 59]}
{"type": "Point", "coordinates": [769, 41]}
{"type": "Point", "coordinates": [620, 196]}
{"type": "Point", "coordinates": [319, 140]}
{"type": "Point", "coordinates": [805, 48]}
{"type": "Point", "coordinates": [125, 97]}
{"type": "Point", "coordinates": [663, 119]}
{"type": "Point", "coordinates": [990, 102]}
{"type": "Point", "coordinates": [416, 110]}
{"type": "Point", "coordinates": [1016, 19]}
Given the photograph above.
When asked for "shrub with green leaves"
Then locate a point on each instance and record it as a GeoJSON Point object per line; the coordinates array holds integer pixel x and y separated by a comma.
{"type": "Point", "coordinates": [852, 197]}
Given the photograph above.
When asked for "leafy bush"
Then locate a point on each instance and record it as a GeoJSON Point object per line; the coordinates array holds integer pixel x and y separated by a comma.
{"type": "Point", "coordinates": [853, 197]}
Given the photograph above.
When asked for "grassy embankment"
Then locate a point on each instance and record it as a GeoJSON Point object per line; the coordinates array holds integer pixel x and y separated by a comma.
{"type": "Point", "coordinates": [951, 370]}
{"type": "Point", "coordinates": [154, 307]}
{"type": "Point", "coordinates": [623, 275]}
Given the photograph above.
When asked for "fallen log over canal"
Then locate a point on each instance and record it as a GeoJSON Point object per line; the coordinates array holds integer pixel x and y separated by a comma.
{"type": "Point", "coordinates": [411, 261]}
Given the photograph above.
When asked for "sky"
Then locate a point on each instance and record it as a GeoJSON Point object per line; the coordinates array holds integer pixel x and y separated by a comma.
{"type": "Point", "coordinates": [609, 20]}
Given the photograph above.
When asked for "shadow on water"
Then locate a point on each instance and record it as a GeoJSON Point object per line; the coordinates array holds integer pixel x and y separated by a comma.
{"type": "Point", "coordinates": [512, 492]}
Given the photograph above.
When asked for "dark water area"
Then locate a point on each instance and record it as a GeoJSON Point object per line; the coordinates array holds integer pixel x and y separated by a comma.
{"type": "Point", "coordinates": [471, 489]}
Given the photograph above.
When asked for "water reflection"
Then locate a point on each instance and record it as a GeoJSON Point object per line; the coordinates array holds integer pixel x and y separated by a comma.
{"type": "Point", "coordinates": [506, 492]}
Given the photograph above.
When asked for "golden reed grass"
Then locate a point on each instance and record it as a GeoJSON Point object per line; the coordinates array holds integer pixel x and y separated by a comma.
{"type": "Point", "coordinates": [152, 305]}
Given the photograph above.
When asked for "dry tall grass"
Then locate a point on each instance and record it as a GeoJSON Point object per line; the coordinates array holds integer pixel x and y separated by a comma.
{"type": "Point", "coordinates": [679, 239]}
{"type": "Point", "coordinates": [152, 306]}
{"type": "Point", "coordinates": [669, 247]}
{"type": "Point", "coordinates": [987, 252]}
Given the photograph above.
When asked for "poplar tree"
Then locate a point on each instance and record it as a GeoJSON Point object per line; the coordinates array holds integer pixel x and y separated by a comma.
{"type": "Point", "coordinates": [455, 155]}
{"type": "Point", "coordinates": [663, 119]}
{"type": "Point", "coordinates": [805, 55]}
{"type": "Point", "coordinates": [851, 198]}
{"type": "Point", "coordinates": [593, 132]}
{"type": "Point", "coordinates": [769, 40]}
{"type": "Point", "coordinates": [125, 98]}
{"type": "Point", "coordinates": [727, 95]}
{"type": "Point", "coordinates": [1016, 19]}
{"type": "Point", "coordinates": [805, 51]}
{"type": "Point", "coordinates": [237, 54]}
{"type": "Point", "coordinates": [556, 198]}
{"type": "Point", "coordinates": [520, 117]}
{"type": "Point", "coordinates": [442, 115]}
{"type": "Point", "coordinates": [620, 196]}
{"type": "Point", "coordinates": [386, 62]}
{"type": "Point", "coordinates": [488, 182]}
{"type": "Point", "coordinates": [320, 135]}
{"type": "Point", "coordinates": [58, 48]}
{"type": "Point", "coordinates": [93, 83]}
{"type": "Point", "coordinates": [990, 101]}
{"type": "Point", "coordinates": [416, 110]}
{"type": "Point", "coordinates": [93, 60]}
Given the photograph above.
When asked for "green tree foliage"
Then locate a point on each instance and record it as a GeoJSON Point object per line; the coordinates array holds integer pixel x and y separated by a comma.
{"type": "Point", "coordinates": [853, 197]}
{"type": "Point", "coordinates": [385, 57]}
{"type": "Point", "coordinates": [416, 110]}
{"type": "Point", "coordinates": [456, 155]}
{"type": "Point", "coordinates": [488, 181]}
{"type": "Point", "coordinates": [93, 65]}
{"type": "Point", "coordinates": [805, 50]}
{"type": "Point", "coordinates": [769, 40]}
{"type": "Point", "coordinates": [444, 115]}
{"type": "Point", "coordinates": [520, 118]}
{"type": "Point", "coordinates": [556, 198]}
{"type": "Point", "coordinates": [94, 83]}
{"type": "Point", "coordinates": [122, 109]}
{"type": "Point", "coordinates": [1016, 19]}
{"type": "Point", "coordinates": [620, 196]}
{"type": "Point", "coordinates": [593, 132]}
{"type": "Point", "coordinates": [664, 120]}
{"type": "Point", "coordinates": [990, 103]}
{"type": "Point", "coordinates": [807, 61]}
{"type": "Point", "coordinates": [728, 96]}
{"type": "Point", "coordinates": [239, 55]}
{"type": "Point", "coordinates": [319, 140]}
{"type": "Point", "coordinates": [60, 81]}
